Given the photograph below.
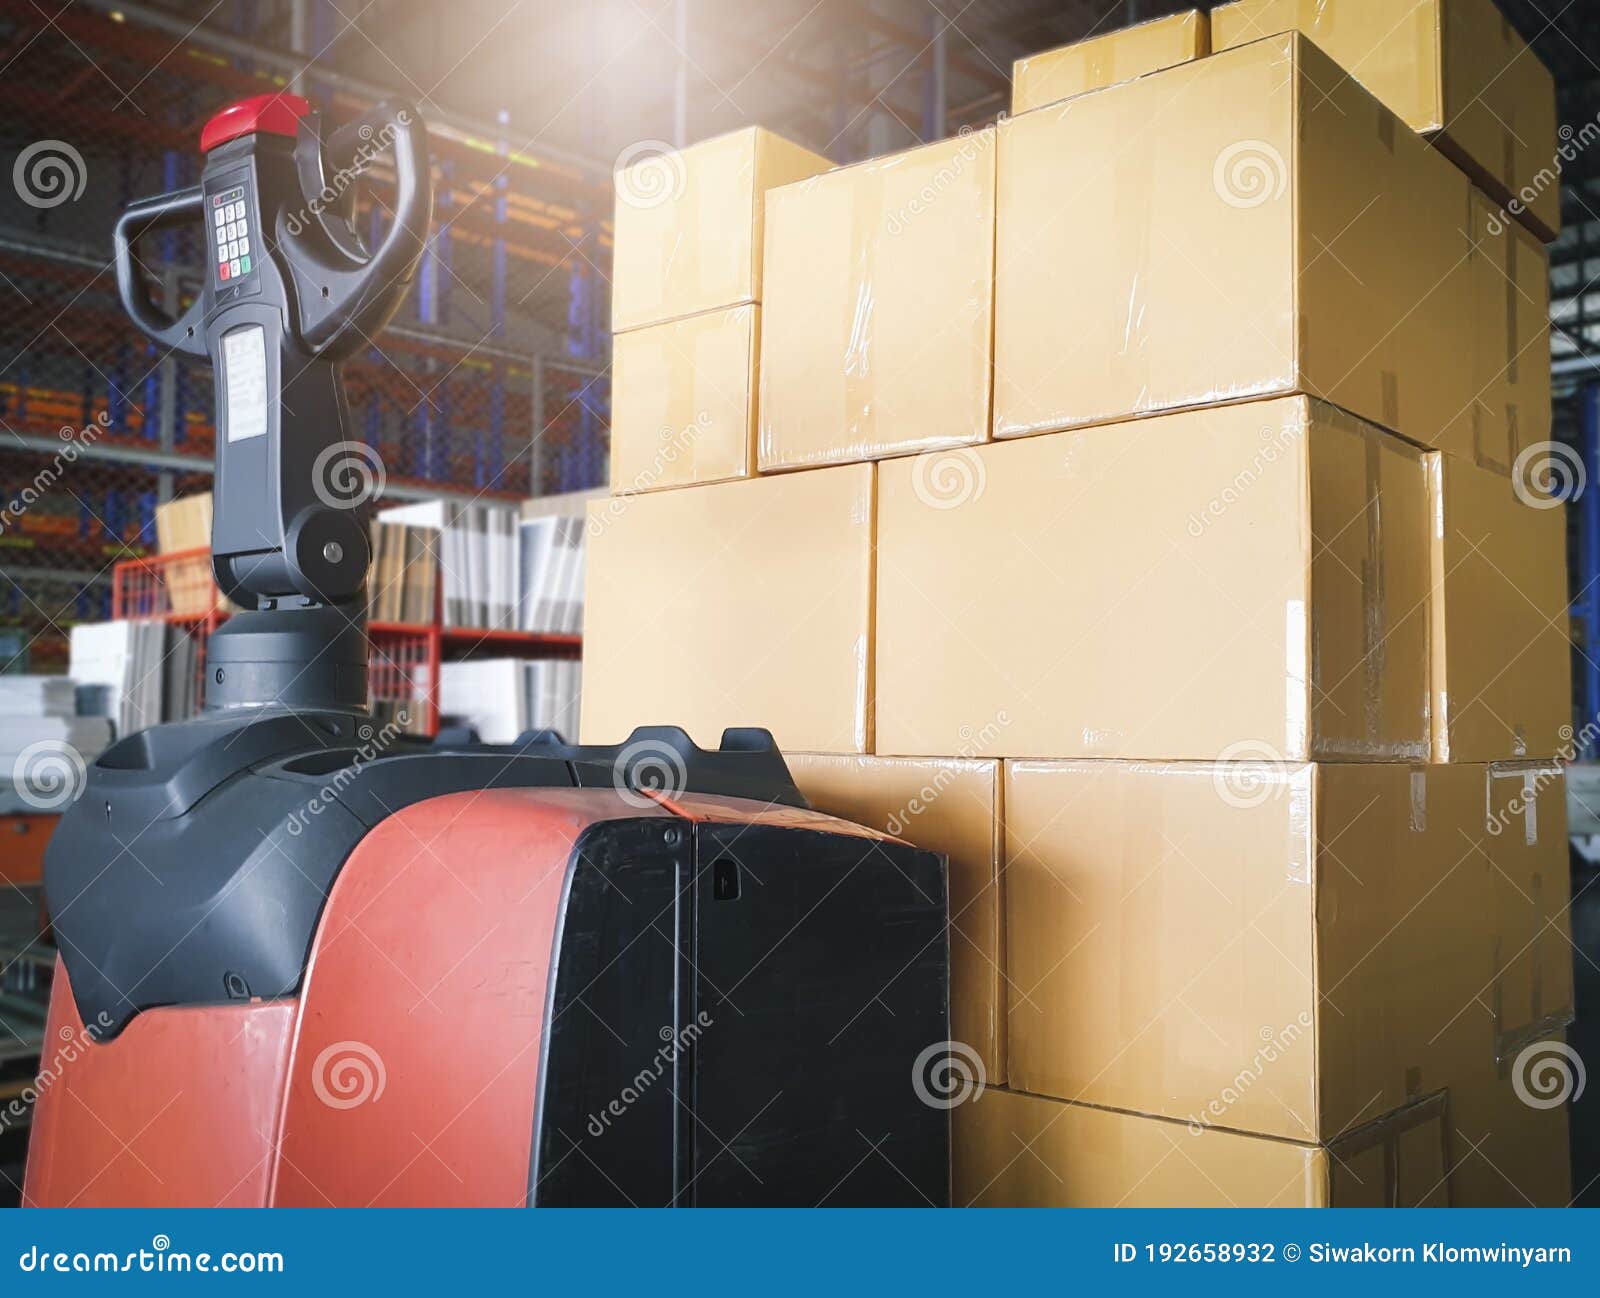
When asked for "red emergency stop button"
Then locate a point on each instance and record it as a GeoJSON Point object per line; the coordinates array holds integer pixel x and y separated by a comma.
{"type": "Point", "coordinates": [277, 114]}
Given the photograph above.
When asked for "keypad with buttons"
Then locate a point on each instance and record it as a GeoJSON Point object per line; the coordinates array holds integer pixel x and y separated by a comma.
{"type": "Point", "coordinates": [230, 234]}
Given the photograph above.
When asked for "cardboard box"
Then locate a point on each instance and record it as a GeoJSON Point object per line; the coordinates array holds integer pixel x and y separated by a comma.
{"type": "Point", "coordinates": [1501, 657]}
{"type": "Point", "coordinates": [1288, 950]}
{"type": "Point", "coordinates": [879, 307]}
{"type": "Point", "coordinates": [184, 524]}
{"type": "Point", "coordinates": [735, 604]}
{"type": "Point", "coordinates": [1231, 581]}
{"type": "Point", "coordinates": [1527, 885]}
{"type": "Point", "coordinates": [948, 805]}
{"type": "Point", "coordinates": [683, 401]}
{"type": "Point", "coordinates": [1249, 224]}
{"type": "Point", "coordinates": [1453, 70]}
{"type": "Point", "coordinates": [1511, 308]}
{"type": "Point", "coordinates": [1505, 1053]}
{"type": "Point", "coordinates": [689, 223]}
{"type": "Point", "coordinates": [1024, 1151]}
{"type": "Point", "coordinates": [1105, 60]}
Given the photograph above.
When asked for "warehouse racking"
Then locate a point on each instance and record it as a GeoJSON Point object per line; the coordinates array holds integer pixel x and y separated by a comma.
{"type": "Point", "coordinates": [490, 383]}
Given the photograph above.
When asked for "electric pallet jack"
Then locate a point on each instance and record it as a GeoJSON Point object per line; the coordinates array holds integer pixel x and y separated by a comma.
{"type": "Point", "coordinates": [307, 962]}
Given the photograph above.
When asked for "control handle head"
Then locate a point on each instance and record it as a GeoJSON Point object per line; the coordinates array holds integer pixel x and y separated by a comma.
{"type": "Point", "coordinates": [345, 294]}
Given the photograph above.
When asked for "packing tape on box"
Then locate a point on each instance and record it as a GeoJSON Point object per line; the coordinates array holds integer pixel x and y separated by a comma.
{"type": "Point", "coordinates": [874, 219]}
{"type": "Point", "coordinates": [1302, 823]}
{"type": "Point", "coordinates": [868, 217]}
{"type": "Point", "coordinates": [1252, 785]}
{"type": "Point", "coordinates": [1386, 1132]}
{"type": "Point", "coordinates": [1299, 677]}
{"type": "Point", "coordinates": [1373, 604]}
{"type": "Point", "coordinates": [1524, 784]}
{"type": "Point", "coordinates": [1508, 144]}
{"type": "Point", "coordinates": [1512, 293]}
{"type": "Point", "coordinates": [1391, 399]}
{"type": "Point", "coordinates": [1137, 194]}
{"type": "Point", "coordinates": [866, 666]}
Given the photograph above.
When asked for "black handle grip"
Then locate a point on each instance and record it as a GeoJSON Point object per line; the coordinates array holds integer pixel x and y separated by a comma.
{"type": "Point", "coordinates": [367, 297]}
{"type": "Point", "coordinates": [181, 207]}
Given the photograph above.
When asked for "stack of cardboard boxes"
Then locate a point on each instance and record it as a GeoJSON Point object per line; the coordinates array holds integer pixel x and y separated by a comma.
{"type": "Point", "coordinates": [1136, 507]}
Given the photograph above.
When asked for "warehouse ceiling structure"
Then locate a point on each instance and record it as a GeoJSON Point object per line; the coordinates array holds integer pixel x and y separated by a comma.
{"type": "Point", "coordinates": [574, 85]}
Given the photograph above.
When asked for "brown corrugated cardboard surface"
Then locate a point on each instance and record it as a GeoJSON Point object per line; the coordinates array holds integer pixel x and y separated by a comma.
{"type": "Point", "coordinates": [1016, 1150]}
{"type": "Point", "coordinates": [1527, 372]}
{"type": "Point", "coordinates": [878, 307]}
{"type": "Point", "coordinates": [683, 406]}
{"type": "Point", "coordinates": [1502, 660]}
{"type": "Point", "coordinates": [1234, 580]}
{"type": "Point", "coordinates": [688, 224]}
{"type": "Point", "coordinates": [1510, 1151]}
{"type": "Point", "coordinates": [948, 805]}
{"type": "Point", "coordinates": [1455, 70]}
{"type": "Point", "coordinates": [1104, 60]}
{"type": "Point", "coordinates": [1289, 950]}
{"type": "Point", "coordinates": [1511, 308]}
{"type": "Point", "coordinates": [1248, 224]}
{"type": "Point", "coordinates": [735, 604]}
{"type": "Point", "coordinates": [1528, 879]}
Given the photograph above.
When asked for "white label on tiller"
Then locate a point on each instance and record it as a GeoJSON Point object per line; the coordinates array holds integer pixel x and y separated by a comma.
{"type": "Point", "coordinates": [244, 369]}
